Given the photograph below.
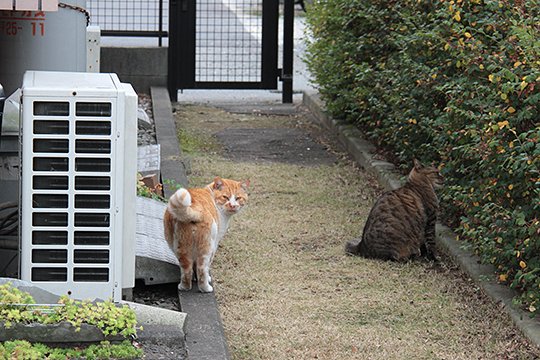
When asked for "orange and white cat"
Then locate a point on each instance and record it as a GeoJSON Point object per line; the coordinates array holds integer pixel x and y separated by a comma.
{"type": "Point", "coordinates": [196, 220]}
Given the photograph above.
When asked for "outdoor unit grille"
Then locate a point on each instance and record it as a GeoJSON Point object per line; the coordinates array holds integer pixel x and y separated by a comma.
{"type": "Point", "coordinates": [78, 183]}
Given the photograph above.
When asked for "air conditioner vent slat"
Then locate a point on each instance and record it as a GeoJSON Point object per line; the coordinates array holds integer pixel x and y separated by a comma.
{"type": "Point", "coordinates": [92, 219]}
{"type": "Point", "coordinates": [92, 238]}
{"type": "Point", "coordinates": [93, 128]}
{"type": "Point", "coordinates": [93, 109]}
{"type": "Point", "coordinates": [92, 183]}
{"type": "Point", "coordinates": [93, 165]}
{"type": "Point", "coordinates": [48, 108]}
{"type": "Point", "coordinates": [58, 201]}
{"type": "Point", "coordinates": [50, 219]}
{"type": "Point", "coordinates": [49, 274]}
{"type": "Point", "coordinates": [92, 201]}
{"type": "Point", "coordinates": [50, 182]}
{"type": "Point", "coordinates": [51, 145]}
{"type": "Point", "coordinates": [91, 257]}
{"type": "Point", "coordinates": [48, 127]}
{"type": "Point", "coordinates": [93, 146]}
{"type": "Point", "coordinates": [49, 237]}
{"type": "Point", "coordinates": [91, 274]}
{"type": "Point", "coordinates": [56, 256]}
{"type": "Point", "coordinates": [50, 164]}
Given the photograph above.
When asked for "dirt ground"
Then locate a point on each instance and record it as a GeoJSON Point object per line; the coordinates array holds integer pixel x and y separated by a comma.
{"type": "Point", "coordinates": [285, 287]}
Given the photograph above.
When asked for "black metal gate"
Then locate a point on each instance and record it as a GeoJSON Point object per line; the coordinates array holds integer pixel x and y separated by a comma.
{"type": "Point", "coordinates": [225, 44]}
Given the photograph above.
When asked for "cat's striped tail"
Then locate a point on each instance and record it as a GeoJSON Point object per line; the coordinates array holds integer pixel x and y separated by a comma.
{"type": "Point", "coordinates": [353, 246]}
{"type": "Point", "coordinates": [180, 207]}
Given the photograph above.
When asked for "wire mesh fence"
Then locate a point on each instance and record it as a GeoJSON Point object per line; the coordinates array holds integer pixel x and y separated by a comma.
{"type": "Point", "coordinates": [137, 18]}
{"type": "Point", "coordinates": [228, 40]}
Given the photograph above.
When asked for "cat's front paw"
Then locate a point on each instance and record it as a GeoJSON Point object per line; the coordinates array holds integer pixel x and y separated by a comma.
{"type": "Point", "coordinates": [183, 287]}
{"type": "Point", "coordinates": [206, 288]}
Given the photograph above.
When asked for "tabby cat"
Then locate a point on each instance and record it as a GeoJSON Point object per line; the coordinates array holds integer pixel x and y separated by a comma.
{"type": "Point", "coordinates": [401, 224]}
{"type": "Point", "coordinates": [196, 220]}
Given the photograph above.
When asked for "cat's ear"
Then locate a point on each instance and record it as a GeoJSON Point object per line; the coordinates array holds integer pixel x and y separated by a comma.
{"type": "Point", "coordinates": [245, 184]}
{"type": "Point", "coordinates": [218, 183]}
{"type": "Point", "coordinates": [417, 164]}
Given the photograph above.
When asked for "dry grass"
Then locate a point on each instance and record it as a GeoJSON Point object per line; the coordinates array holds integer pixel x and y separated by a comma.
{"type": "Point", "coordinates": [286, 289]}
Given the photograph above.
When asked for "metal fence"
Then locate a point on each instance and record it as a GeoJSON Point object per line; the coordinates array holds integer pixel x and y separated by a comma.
{"type": "Point", "coordinates": [228, 40]}
{"type": "Point", "coordinates": [135, 18]}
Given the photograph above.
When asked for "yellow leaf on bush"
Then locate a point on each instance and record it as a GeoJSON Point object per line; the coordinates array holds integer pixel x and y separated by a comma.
{"type": "Point", "coordinates": [457, 16]}
{"type": "Point", "coordinates": [523, 85]}
{"type": "Point", "coordinates": [517, 63]}
{"type": "Point", "coordinates": [511, 110]}
{"type": "Point", "coordinates": [510, 187]}
{"type": "Point", "coordinates": [504, 96]}
{"type": "Point", "coordinates": [468, 34]}
{"type": "Point", "coordinates": [522, 264]}
{"type": "Point", "coordinates": [502, 124]}
{"type": "Point", "coordinates": [491, 77]}
{"type": "Point", "coordinates": [503, 277]}
{"type": "Point", "coordinates": [481, 66]}
{"type": "Point", "coordinates": [532, 308]}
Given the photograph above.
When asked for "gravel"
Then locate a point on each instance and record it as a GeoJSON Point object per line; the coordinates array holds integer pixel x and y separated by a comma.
{"type": "Point", "coordinates": [146, 134]}
{"type": "Point", "coordinates": [164, 296]}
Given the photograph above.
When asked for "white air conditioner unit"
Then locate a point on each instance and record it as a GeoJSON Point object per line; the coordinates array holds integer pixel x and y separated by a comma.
{"type": "Point", "coordinates": [78, 183]}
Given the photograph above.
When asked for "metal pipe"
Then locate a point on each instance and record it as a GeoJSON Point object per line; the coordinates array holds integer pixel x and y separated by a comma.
{"type": "Point", "coordinates": [160, 38]}
{"type": "Point", "coordinates": [288, 51]}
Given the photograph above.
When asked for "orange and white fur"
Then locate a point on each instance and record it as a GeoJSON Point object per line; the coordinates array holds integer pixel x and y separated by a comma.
{"type": "Point", "coordinates": [196, 220]}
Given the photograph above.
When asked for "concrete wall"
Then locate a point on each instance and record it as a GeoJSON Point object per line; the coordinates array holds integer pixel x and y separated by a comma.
{"type": "Point", "coordinates": [142, 67]}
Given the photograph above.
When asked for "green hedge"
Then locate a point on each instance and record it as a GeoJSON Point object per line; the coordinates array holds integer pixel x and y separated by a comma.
{"type": "Point", "coordinates": [455, 83]}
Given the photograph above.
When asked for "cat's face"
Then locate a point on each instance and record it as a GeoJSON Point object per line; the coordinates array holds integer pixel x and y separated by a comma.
{"type": "Point", "coordinates": [230, 195]}
{"type": "Point", "coordinates": [430, 173]}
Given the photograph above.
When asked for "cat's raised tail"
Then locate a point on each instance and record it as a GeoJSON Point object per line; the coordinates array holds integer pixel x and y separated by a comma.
{"type": "Point", "coordinates": [180, 207]}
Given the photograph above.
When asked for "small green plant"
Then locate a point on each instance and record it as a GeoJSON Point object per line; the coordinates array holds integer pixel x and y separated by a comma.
{"type": "Point", "coordinates": [16, 307]}
{"type": "Point", "coordinates": [172, 184]}
{"type": "Point", "coordinates": [21, 349]}
{"type": "Point", "coordinates": [152, 193]}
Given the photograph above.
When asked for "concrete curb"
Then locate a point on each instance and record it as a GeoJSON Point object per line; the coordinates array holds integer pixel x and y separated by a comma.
{"type": "Point", "coordinates": [363, 152]}
{"type": "Point", "coordinates": [205, 337]}
{"type": "Point", "coordinates": [166, 326]}
{"type": "Point", "coordinates": [172, 165]}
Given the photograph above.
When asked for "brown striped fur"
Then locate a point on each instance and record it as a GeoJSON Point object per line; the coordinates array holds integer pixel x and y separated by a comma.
{"type": "Point", "coordinates": [401, 224]}
{"type": "Point", "coordinates": [194, 223]}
